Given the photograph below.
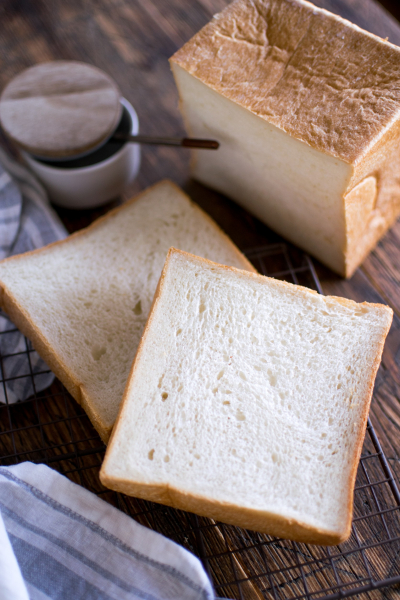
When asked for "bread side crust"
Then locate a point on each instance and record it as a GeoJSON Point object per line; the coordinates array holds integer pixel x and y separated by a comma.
{"type": "Point", "coordinates": [257, 520]}
{"type": "Point", "coordinates": [26, 323]}
{"type": "Point", "coordinates": [263, 521]}
{"type": "Point", "coordinates": [355, 459]}
{"type": "Point", "coordinates": [262, 82]}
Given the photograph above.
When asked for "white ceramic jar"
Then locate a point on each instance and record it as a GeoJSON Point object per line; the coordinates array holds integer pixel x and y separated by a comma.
{"type": "Point", "coordinates": [95, 184]}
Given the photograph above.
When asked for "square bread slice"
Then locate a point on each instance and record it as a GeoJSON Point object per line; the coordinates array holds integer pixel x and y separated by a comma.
{"type": "Point", "coordinates": [84, 301]}
{"type": "Point", "coordinates": [247, 401]}
{"type": "Point", "coordinates": [306, 107]}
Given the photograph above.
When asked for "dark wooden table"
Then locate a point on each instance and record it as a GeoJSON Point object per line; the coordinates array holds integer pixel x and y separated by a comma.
{"type": "Point", "coordinates": [132, 40]}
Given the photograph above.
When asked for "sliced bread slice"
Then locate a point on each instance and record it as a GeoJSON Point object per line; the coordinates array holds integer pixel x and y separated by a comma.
{"type": "Point", "coordinates": [247, 401]}
{"type": "Point", "coordinates": [84, 301]}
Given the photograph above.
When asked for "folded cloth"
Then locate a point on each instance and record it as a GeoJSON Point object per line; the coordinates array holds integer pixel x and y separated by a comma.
{"type": "Point", "coordinates": [11, 583]}
{"type": "Point", "coordinates": [70, 545]}
{"type": "Point", "coordinates": [26, 222]}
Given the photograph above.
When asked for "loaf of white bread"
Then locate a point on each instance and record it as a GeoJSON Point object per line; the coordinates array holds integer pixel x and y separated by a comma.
{"type": "Point", "coordinates": [306, 106]}
{"type": "Point", "coordinates": [247, 401]}
{"type": "Point", "coordinates": [84, 301]}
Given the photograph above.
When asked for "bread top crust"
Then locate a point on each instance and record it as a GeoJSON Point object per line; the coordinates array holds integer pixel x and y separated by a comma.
{"type": "Point", "coordinates": [314, 75]}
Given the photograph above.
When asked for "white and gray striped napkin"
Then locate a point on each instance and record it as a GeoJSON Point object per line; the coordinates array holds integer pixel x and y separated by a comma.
{"type": "Point", "coordinates": [61, 542]}
{"type": "Point", "coordinates": [26, 222]}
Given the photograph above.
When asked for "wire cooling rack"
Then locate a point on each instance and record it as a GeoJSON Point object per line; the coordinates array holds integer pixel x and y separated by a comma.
{"type": "Point", "coordinates": [50, 427]}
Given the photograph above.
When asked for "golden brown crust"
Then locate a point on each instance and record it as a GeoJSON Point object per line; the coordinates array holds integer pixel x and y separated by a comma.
{"type": "Point", "coordinates": [25, 323]}
{"type": "Point", "coordinates": [366, 402]}
{"type": "Point", "coordinates": [257, 520]}
{"type": "Point", "coordinates": [274, 58]}
{"type": "Point", "coordinates": [382, 163]}
{"type": "Point", "coordinates": [227, 512]}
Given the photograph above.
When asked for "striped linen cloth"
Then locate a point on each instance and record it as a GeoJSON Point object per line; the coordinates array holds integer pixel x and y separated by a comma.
{"type": "Point", "coordinates": [62, 542]}
{"type": "Point", "coordinates": [26, 222]}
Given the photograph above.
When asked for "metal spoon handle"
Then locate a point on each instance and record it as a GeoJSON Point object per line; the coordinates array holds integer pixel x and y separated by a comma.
{"type": "Point", "coordinates": [167, 141]}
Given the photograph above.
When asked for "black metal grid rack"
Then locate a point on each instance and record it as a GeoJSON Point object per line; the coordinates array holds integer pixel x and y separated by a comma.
{"type": "Point", "coordinates": [51, 428]}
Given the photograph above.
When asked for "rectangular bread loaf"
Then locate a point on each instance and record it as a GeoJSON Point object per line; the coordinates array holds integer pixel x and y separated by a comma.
{"type": "Point", "coordinates": [306, 107]}
{"type": "Point", "coordinates": [84, 301]}
{"type": "Point", "coordinates": [247, 401]}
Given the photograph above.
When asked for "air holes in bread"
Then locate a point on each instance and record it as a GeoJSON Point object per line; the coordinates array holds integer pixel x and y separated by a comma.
{"type": "Point", "coordinates": [240, 416]}
{"type": "Point", "coordinates": [164, 396]}
{"type": "Point", "coordinates": [98, 351]}
{"type": "Point", "coordinates": [137, 309]}
{"type": "Point", "coordinates": [272, 378]}
{"type": "Point", "coordinates": [151, 454]}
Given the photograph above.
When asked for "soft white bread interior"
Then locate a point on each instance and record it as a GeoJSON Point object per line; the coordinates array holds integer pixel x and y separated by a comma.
{"type": "Point", "coordinates": [84, 301]}
{"type": "Point", "coordinates": [247, 401]}
{"type": "Point", "coordinates": [307, 109]}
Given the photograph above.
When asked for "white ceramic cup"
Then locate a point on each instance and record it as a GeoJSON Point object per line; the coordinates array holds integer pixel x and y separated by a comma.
{"type": "Point", "coordinates": [94, 185]}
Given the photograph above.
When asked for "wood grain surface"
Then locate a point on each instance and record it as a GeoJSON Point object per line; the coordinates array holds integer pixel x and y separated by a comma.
{"type": "Point", "coordinates": [131, 41]}
{"type": "Point", "coordinates": [60, 109]}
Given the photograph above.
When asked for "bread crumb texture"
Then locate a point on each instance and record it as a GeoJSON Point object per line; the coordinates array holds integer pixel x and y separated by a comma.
{"type": "Point", "coordinates": [250, 392]}
{"type": "Point", "coordinates": [313, 74]}
{"type": "Point", "coordinates": [90, 295]}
